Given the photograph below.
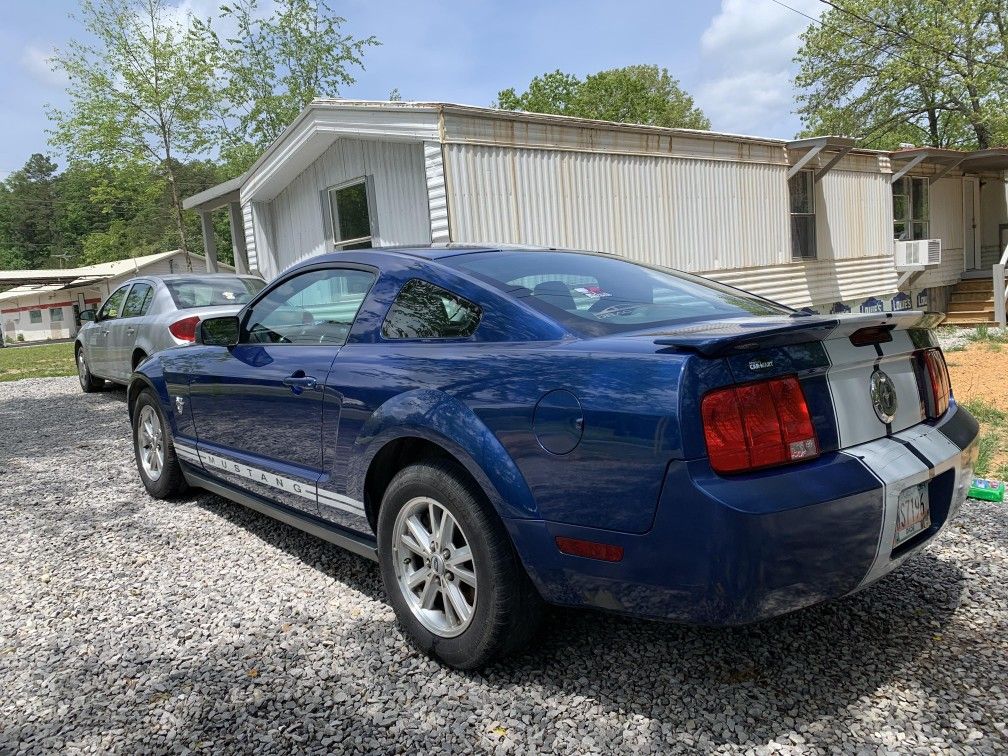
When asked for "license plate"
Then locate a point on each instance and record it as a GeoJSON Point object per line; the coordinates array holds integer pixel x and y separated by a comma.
{"type": "Point", "coordinates": [913, 513]}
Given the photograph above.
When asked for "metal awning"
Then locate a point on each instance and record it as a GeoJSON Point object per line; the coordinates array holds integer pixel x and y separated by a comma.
{"type": "Point", "coordinates": [839, 146]}
{"type": "Point", "coordinates": [215, 197]}
{"type": "Point", "coordinates": [978, 161]}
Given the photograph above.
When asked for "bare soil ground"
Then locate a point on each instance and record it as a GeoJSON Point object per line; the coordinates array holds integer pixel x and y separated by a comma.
{"type": "Point", "coordinates": [980, 373]}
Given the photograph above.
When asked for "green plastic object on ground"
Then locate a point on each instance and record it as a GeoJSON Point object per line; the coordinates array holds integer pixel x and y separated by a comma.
{"type": "Point", "coordinates": [988, 490]}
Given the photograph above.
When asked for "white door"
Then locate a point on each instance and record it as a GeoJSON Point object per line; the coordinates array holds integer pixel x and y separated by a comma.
{"type": "Point", "coordinates": [971, 223]}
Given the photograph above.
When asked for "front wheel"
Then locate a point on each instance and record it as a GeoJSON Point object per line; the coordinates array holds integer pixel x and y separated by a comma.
{"type": "Point", "coordinates": [155, 452]}
{"type": "Point", "coordinates": [88, 382]}
{"type": "Point", "coordinates": [453, 578]}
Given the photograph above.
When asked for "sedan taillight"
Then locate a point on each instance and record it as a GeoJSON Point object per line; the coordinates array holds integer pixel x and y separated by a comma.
{"type": "Point", "coordinates": [185, 329]}
{"type": "Point", "coordinates": [757, 425]}
{"type": "Point", "coordinates": [939, 388]}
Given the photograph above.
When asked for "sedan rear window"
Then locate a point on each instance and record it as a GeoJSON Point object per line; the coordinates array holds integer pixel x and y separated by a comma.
{"type": "Point", "coordinates": [600, 294]}
{"type": "Point", "coordinates": [212, 291]}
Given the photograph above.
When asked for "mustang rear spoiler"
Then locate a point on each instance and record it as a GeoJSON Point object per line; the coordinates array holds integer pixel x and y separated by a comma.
{"type": "Point", "coordinates": [720, 338]}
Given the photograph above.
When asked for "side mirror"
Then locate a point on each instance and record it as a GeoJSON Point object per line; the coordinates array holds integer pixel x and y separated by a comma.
{"type": "Point", "coordinates": [87, 316]}
{"type": "Point", "coordinates": [219, 331]}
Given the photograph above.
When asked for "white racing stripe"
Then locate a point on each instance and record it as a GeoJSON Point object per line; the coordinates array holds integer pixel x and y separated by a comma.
{"type": "Point", "coordinates": [849, 379]}
{"type": "Point", "coordinates": [281, 483]}
{"type": "Point", "coordinates": [898, 467]}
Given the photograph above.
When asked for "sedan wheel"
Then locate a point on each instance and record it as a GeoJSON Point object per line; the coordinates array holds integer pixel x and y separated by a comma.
{"type": "Point", "coordinates": [87, 381]}
{"type": "Point", "coordinates": [434, 566]}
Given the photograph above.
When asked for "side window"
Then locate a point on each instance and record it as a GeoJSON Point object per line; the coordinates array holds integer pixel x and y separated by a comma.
{"type": "Point", "coordinates": [138, 299]}
{"type": "Point", "coordinates": [113, 305]}
{"type": "Point", "coordinates": [425, 311]}
{"type": "Point", "coordinates": [801, 196]}
{"type": "Point", "coordinates": [350, 215]}
{"type": "Point", "coordinates": [35, 316]}
{"type": "Point", "coordinates": [317, 307]}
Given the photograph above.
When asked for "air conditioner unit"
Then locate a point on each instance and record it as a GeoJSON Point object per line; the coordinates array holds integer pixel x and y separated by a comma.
{"type": "Point", "coordinates": [920, 253]}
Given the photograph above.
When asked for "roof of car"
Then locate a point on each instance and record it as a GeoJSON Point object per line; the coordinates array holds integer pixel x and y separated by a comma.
{"type": "Point", "coordinates": [198, 275]}
{"type": "Point", "coordinates": [434, 251]}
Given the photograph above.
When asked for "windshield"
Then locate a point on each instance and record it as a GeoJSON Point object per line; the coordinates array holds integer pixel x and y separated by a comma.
{"type": "Point", "coordinates": [600, 294]}
{"type": "Point", "coordinates": [212, 291]}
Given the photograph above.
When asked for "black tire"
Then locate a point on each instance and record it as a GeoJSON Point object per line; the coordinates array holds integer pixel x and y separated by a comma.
{"type": "Point", "coordinates": [88, 382]}
{"type": "Point", "coordinates": [169, 482]}
{"type": "Point", "coordinates": [507, 608]}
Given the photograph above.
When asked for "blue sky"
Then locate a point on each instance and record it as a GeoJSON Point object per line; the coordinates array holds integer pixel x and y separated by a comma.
{"type": "Point", "coordinates": [733, 56]}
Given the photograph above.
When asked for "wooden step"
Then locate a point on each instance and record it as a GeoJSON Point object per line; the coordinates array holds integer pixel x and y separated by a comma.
{"type": "Point", "coordinates": [973, 296]}
{"type": "Point", "coordinates": [971, 308]}
{"type": "Point", "coordinates": [974, 284]}
{"type": "Point", "coordinates": [966, 323]}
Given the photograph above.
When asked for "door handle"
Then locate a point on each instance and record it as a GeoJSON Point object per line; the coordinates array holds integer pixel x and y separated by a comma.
{"type": "Point", "coordinates": [298, 382]}
{"type": "Point", "coordinates": [104, 333]}
{"type": "Point", "coordinates": [131, 331]}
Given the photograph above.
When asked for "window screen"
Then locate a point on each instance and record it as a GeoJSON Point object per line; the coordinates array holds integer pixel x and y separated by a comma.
{"type": "Point", "coordinates": [351, 217]}
{"type": "Point", "coordinates": [317, 307]}
{"type": "Point", "coordinates": [425, 311]}
{"type": "Point", "coordinates": [910, 209]}
{"type": "Point", "coordinates": [801, 195]}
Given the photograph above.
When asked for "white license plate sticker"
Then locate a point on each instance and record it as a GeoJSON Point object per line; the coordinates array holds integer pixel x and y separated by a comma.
{"type": "Point", "coordinates": [913, 513]}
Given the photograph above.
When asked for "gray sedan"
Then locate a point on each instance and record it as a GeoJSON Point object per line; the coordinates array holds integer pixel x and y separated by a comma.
{"type": "Point", "coordinates": [151, 313]}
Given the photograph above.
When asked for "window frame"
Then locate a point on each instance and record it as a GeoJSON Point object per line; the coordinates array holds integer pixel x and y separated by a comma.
{"type": "Point", "coordinates": [245, 314]}
{"type": "Point", "coordinates": [31, 319]}
{"type": "Point", "coordinates": [104, 304]}
{"type": "Point", "coordinates": [144, 303]}
{"type": "Point", "coordinates": [908, 220]}
{"type": "Point", "coordinates": [331, 219]}
{"type": "Point", "coordinates": [811, 214]}
{"type": "Point", "coordinates": [426, 339]}
{"type": "Point", "coordinates": [56, 319]}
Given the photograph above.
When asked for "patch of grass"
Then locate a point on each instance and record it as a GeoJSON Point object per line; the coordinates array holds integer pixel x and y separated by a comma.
{"type": "Point", "coordinates": [43, 361]}
{"type": "Point", "coordinates": [993, 435]}
{"type": "Point", "coordinates": [990, 335]}
{"type": "Point", "coordinates": [985, 412]}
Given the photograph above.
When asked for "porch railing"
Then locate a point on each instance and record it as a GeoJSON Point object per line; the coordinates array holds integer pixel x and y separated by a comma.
{"type": "Point", "coordinates": [1000, 290]}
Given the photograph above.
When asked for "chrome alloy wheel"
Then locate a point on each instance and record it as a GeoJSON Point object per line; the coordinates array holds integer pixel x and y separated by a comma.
{"type": "Point", "coordinates": [81, 367]}
{"type": "Point", "coordinates": [150, 438]}
{"type": "Point", "coordinates": [434, 567]}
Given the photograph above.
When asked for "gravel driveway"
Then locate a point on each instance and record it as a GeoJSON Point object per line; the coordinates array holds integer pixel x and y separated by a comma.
{"type": "Point", "coordinates": [128, 624]}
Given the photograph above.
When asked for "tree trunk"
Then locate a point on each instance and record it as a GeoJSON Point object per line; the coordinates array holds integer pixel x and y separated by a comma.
{"type": "Point", "coordinates": [177, 203]}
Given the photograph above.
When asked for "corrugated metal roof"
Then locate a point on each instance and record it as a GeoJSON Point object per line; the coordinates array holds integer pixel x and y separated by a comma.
{"type": "Point", "coordinates": [87, 273]}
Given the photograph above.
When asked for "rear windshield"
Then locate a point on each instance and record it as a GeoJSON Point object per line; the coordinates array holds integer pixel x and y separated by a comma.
{"type": "Point", "coordinates": [212, 291]}
{"type": "Point", "coordinates": [600, 294]}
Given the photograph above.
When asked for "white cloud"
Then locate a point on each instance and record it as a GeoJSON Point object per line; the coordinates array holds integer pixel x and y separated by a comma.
{"type": "Point", "coordinates": [747, 51]}
{"type": "Point", "coordinates": [36, 61]}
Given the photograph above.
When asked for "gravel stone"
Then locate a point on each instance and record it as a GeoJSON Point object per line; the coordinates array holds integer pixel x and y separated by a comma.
{"type": "Point", "coordinates": [138, 626]}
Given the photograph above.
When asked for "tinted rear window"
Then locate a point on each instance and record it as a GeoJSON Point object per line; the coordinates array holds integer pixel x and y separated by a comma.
{"type": "Point", "coordinates": [601, 294]}
{"type": "Point", "coordinates": [212, 292]}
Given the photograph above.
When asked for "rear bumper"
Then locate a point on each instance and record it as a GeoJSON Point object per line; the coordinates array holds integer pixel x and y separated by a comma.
{"type": "Point", "coordinates": [725, 551]}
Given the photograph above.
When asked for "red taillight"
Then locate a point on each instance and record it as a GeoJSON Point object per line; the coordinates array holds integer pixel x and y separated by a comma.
{"type": "Point", "coordinates": [185, 329]}
{"type": "Point", "coordinates": [590, 549]}
{"type": "Point", "coordinates": [758, 425]}
{"type": "Point", "coordinates": [938, 382]}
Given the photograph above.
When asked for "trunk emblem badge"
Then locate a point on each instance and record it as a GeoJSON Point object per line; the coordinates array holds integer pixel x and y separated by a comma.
{"type": "Point", "coordinates": [883, 395]}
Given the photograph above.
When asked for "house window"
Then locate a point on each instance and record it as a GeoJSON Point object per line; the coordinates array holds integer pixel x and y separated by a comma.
{"type": "Point", "coordinates": [350, 215]}
{"type": "Point", "coordinates": [801, 195]}
{"type": "Point", "coordinates": [35, 316]}
{"type": "Point", "coordinates": [910, 209]}
{"type": "Point", "coordinates": [55, 314]}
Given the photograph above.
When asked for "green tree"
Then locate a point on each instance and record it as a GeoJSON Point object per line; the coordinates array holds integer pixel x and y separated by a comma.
{"type": "Point", "coordinates": [634, 94]}
{"type": "Point", "coordinates": [140, 92]}
{"type": "Point", "coordinates": [29, 230]}
{"type": "Point", "coordinates": [273, 66]}
{"type": "Point", "coordinates": [922, 71]}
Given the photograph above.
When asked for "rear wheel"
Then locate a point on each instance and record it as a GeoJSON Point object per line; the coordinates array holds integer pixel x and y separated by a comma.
{"type": "Point", "coordinates": [450, 571]}
{"type": "Point", "coordinates": [87, 381]}
{"type": "Point", "coordinates": [155, 452]}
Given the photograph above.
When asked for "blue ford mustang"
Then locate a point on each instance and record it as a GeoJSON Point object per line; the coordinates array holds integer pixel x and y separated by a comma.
{"type": "Point", "coordinates": [501, 428]}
